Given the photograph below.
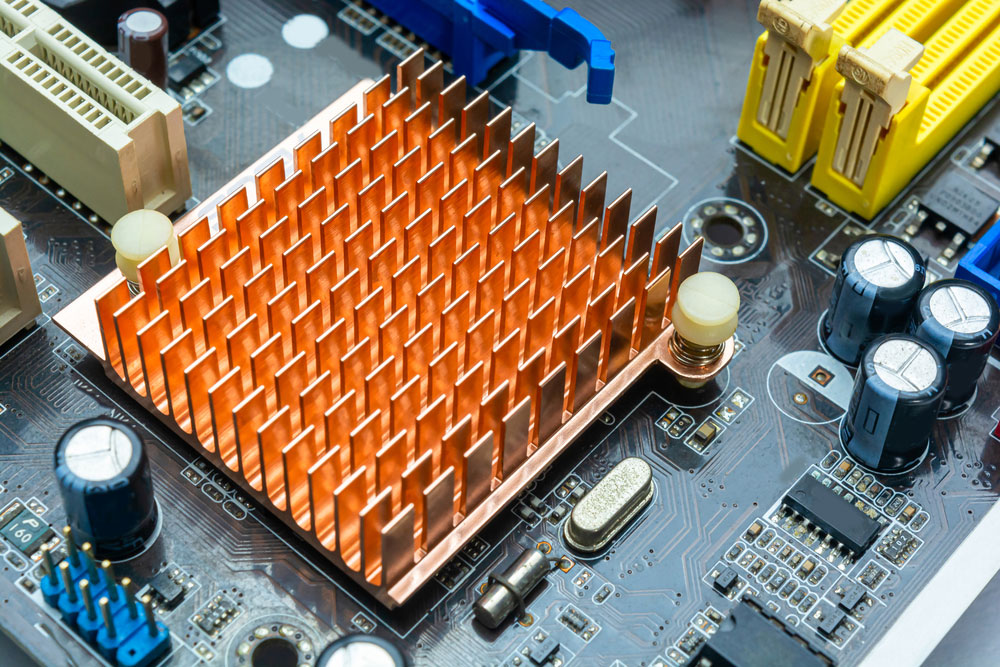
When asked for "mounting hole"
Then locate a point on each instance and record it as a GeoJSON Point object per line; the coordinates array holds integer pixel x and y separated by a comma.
{"type": "Point", "coordinates": [275, 652]}
{"type": "Point", "coordinates": [733, 231]}
{"type": "Point", "coordinates": [723, 230]}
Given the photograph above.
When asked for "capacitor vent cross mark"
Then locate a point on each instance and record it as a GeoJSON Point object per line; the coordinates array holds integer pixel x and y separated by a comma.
{"type": "Point", "coordinates": [961, 321]}
{"type": "Point", "coordinates": [876, 288]}
{"type": "Point", "coordinates": [897, 394]}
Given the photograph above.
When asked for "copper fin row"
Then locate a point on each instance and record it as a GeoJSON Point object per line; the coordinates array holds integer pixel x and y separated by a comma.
{"type": "Point", "coordinates": [382, 330]}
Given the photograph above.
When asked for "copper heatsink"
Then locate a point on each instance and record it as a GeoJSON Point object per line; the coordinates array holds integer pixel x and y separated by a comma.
{"type": "Point", "coordinates": [387, 327]}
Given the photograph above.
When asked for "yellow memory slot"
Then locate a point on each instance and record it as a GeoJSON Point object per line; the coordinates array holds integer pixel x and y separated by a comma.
{"type": "Point", "coordinates": [784, 123]}
{"type": "Point", "coordinates": [957, 74]}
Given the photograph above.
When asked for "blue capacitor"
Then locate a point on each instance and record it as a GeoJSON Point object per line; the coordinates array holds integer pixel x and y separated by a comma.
{"type": "Point", "coordinates": [897, 394]}
{"type": "Point", "coordinates": [961, 320]}
{"type": "Point", "coordinates": [877, 285]}
{"type": "Point", "coordinates": [106, 487]}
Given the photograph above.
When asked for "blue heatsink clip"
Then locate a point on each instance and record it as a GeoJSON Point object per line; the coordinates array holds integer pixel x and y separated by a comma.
{"type": "Point", "coordinates": [478, 34]}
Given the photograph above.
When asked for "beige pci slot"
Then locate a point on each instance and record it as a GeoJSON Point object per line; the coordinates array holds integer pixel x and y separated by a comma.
{"type": "Point", "coordinates": [19, 305]}
{"type": "Point", "coordinates": [91, 123]}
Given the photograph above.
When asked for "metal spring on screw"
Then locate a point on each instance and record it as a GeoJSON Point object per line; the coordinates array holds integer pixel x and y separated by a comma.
{"type": "Point", "coordinates": [690, 354]}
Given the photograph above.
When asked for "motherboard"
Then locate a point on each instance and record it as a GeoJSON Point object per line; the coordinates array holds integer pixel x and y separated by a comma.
{"type": "Point", "coordinates": [497, 332]}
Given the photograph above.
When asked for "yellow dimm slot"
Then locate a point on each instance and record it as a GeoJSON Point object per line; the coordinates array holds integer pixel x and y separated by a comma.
{"type": "Point", "coordinates": [788, 140]}
{"type": "Point", "coordinates": [957, 74]}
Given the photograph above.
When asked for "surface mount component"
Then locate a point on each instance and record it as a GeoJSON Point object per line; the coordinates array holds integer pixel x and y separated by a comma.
{"type": "Point", "coordinates": [385, 336]}
{"type": "Point", "coordinates": [897, 395]}
{"type": "Point", "coordinates": [877, 284]}
{"type": "Point", "coordinates": [895, 109]}
{"type": "Point", "coordinates": [749, 637]}
{"type": "Point", "coordinates": [478, 34]}
{"type": "Point", "coordinates": [961, 320]}
{"type": "Point", "coordinates": [19, 304]}
{"type": "Point", "coordinates": [610, 506]}
{"type": "Point", "coordinates": [832, 514]}
{"type": "Point", "coordinates": [142, 43]}
{"type": "Point", "coordinates": [981, 264]}
{"type": "Point", "coordinates": [361, 651]}
{"type": "Point", "coordinates": [88, 121]}
{"type": "Point", "coordinates": [955, 201]}
{"type": "Point", "coordinates": [106, 486]}
{"type": "Point", "coordinates": [506, 592]}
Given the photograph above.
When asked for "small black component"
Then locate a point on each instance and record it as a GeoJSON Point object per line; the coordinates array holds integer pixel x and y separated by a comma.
{"type": "Point", "coordinates": [954, 200]}
{"type": "Point", "coordinates": [574, 620]}
{"type": "Point", "coordinates": [536, 504]}
{"type": "Point", "coordinates": [544, 651]}
{"type": "Point", "coordinates": [185, 69]}
{"type": "Point", "coordinates": [215, 616]}
{"type": "Point", "coordinates": [526, 514]}
{"type": "Point", "coordinates": [169, 592]}
{"type": "Point", "coordinates": [753, 638]}
{"type": "Point", "coordinates": [10, 512]}
{"type": "Point", "coordinates": [27, 532]}
{"type": "Point", "coordinates": [725, 580]}
{"type": "Point", "coordinates": [834, 515]}
{"type": "Point", "coordinates": [829, 624]}
{"type": "Point", "coordinates": [852, 596]}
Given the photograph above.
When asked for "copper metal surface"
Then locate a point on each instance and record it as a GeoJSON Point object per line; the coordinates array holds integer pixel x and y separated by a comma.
{"type": "Point", "coordinates": [390, 324]}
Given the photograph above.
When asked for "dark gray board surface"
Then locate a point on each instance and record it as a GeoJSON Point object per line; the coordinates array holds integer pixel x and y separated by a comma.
{"type": "Point", "coordinates": [669, 135]}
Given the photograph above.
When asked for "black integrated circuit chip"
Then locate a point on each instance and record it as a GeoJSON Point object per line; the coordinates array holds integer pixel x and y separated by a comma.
{"type": "Point", "coordinates": [27, 532]}
{"type": "Point", "coordinates": [832, 514]}
{"type": "Point", "coordinates": [954, 200]}
{"type": "Point", "coordinates": [753, 638]}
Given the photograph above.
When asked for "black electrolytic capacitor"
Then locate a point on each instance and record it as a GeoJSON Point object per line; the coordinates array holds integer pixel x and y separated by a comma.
{"type": "Point", "coordinates": [897, 394]}
{"type": "Point", "coordinates": [876, 288]}
{"type": "Point", "coordinates": [961, 320]}
{"type": "Point", "coordinates": [142, 43]}
{"type": "Point", "coordinates": [106, 487]}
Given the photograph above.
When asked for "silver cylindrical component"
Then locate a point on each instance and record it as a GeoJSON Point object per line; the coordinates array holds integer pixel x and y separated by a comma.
{"type": "Point", "coordinates": [506, 592]}
{"type": "Point", "coordinates": [897, 393]}
{"type": "Point", "coordinates": [961, 320]}
{"type": "Point", "coordinates": [877, 284]}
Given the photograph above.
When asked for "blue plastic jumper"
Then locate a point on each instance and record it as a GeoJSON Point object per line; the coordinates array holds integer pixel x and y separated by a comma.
{"type": "Point", "coordinates": [477, 34]}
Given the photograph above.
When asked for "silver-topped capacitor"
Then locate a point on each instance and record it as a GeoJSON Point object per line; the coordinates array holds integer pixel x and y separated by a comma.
{"type": "Point", "coordinates": [897, 395]}
{"type": "Point", "coordinates": [106, 486]}
{"type": "Point", "coordinates": [876, 288]}
{"type": "Point", "coordinates": [506, 592]}
{"type": "Point", "coordinates": [961, 320]}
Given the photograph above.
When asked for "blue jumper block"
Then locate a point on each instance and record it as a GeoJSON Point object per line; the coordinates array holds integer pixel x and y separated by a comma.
{"type": "Point", "coordinates": [477, 34]}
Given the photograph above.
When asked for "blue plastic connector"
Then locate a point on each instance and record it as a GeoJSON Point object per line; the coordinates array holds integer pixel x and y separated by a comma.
{"type": "Point", "coordinates": [477, 34]}
{"type": "Point", "coordinates": [133, 645]}
{"type": "Point", "coordinates": [981, 264]}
